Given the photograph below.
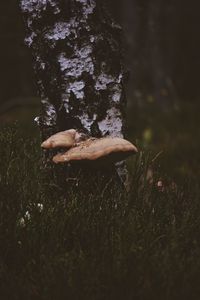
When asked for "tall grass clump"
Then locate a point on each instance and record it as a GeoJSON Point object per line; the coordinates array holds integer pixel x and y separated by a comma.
{"type": "Point", "coordinates": [99, 243]}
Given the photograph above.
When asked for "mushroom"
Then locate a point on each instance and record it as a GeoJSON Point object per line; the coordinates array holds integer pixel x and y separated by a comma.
{"type": "Point", "coordinates": [64, 139]}
{"type": "Point", "coordinates": [104, 150]}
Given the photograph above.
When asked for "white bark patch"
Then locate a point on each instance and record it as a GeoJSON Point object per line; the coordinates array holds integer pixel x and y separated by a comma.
{"type": "Point", "coordinates": [77, 88]}
{"type": "Point", "coordinates": [82, 62]}
{"type": "Point", "coordinates": [35, 7]}
{"type": "Point", "coordinates": [50, 117]}
{"type": "Point", "coordinates": [88, 6]}
{"type": "Point", "coordinates": [29, 39]}
{"type": "Point", "coordinates": [41, 65]}
{"type": "Point", "coordinates": [112, 124]}
{"type": "Point", "coordinates": [65, 102]}
{"type": "Point", "coordinates": [103, 80]}
{"type": "Point", "coordinates": [92, 39]}
{"type": "Point", "coordinates": [116, 96]}
{"type": "Point", "coordinates": [34, 10]}
{"type": "Point", "coordinates": [60, 31]}
{"type": "Point", "coordinates": [86, 121]}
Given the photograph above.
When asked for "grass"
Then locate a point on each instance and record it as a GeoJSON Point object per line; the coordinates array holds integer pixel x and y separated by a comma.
{"type": "Point", "coordinates": [104, 244]}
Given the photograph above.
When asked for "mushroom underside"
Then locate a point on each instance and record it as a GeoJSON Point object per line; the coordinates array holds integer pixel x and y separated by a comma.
{"type": "Point", "coordinates": [96, 152]}
{"type": "Point", "coordinates": [102, 162]}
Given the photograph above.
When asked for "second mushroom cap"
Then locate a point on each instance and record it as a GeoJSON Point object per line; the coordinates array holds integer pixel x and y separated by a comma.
{"type": "Point", "coordinates": [65, 139]}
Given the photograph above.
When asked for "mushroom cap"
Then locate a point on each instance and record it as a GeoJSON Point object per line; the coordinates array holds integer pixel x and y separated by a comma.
{"type": "Point", "coordinates": [61, 139]}
{"type": "Point", "coordinates": [104, 150]}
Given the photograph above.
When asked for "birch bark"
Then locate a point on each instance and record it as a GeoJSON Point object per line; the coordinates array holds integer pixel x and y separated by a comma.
{"type": "Point", "coordinates": [76, 54]}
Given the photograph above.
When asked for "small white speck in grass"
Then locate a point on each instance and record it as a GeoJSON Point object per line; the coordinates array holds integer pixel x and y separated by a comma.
{"type": "Point", "coordinates": [22, 222]}
{"type": "Point", "coordinates": [27, 215]}
{"type": "Point", "coordinates": [40, 207]}
{"type": "Point", "coordinates": [24, 219]}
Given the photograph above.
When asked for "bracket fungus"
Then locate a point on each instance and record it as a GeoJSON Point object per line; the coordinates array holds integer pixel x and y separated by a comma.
{"type": "Point", "coordinates": [107, 150]}
{"type": "Point", "coordinates": [65, 139]}
{"type": "Point", "coordinates": [103, 150]}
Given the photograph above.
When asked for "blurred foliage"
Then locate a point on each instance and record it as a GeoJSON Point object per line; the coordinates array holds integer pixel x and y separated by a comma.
{"type": "Point", "coordinates": [174, 133]}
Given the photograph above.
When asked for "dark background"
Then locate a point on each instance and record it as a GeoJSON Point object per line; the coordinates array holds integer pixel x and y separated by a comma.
{"type": "Point", "coordinates": [161, 42]}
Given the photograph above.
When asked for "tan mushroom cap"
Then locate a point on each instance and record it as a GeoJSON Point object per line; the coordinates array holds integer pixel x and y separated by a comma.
{"type": "Point", "coordinates": [106, 150]}
{"type": "Point", "coordinates": [61, 139]}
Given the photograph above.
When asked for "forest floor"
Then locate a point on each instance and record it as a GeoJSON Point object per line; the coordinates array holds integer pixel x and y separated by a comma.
{"type": "Point", "coordinates": [104, 244]}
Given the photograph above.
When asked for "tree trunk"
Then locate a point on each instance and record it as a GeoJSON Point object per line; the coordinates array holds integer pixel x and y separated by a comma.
{"type": "Point", "coordinates": [76, 54]}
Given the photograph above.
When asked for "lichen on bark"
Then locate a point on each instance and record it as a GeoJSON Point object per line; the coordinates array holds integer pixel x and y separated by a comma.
{"type": "Point", "coordinates": [76, 54]}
